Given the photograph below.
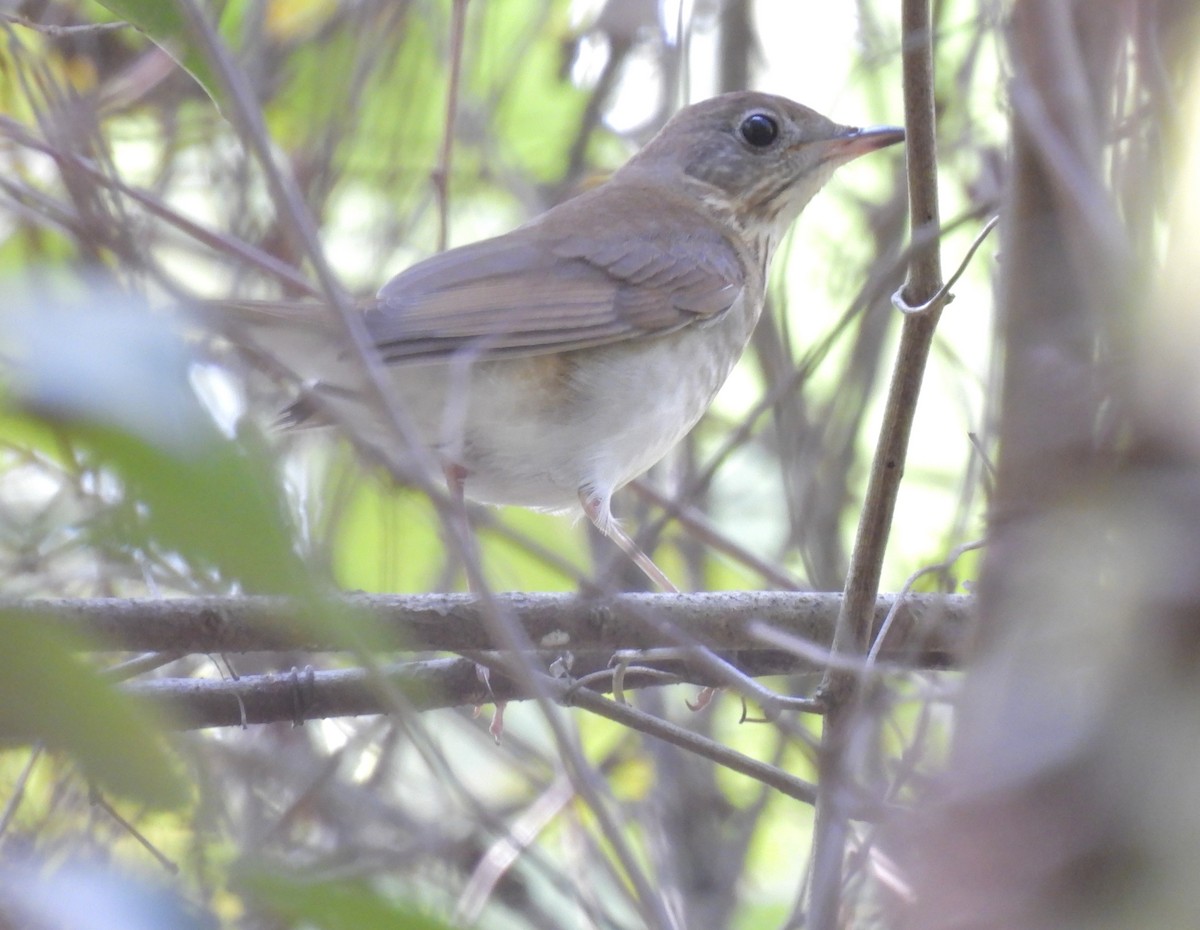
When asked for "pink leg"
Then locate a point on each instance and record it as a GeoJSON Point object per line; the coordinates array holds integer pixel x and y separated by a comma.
{"type": "Point", "coordinates": [597, 511]}
{"type": "Point", "coordinates": [456, 479]}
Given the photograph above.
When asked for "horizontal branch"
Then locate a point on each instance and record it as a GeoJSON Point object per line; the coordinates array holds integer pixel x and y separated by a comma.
{"type": "Point", "coordinates": [926, 631]}
{"type": "Point", "coordinates": [750, 634]}
{"type": "Point", "coordinates": [304, 694]}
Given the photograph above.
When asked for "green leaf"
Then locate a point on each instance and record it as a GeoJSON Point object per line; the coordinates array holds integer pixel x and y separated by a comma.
{"type": "Point", "coordinates": [218, 506]}
{"type": "Point", "coordinates": [334, 905]}
{"type": "Point", "coordinates": [48, 694]}
{"type": "Point", "coordinates": [163, 24]}
{"type": "Point", "coordinates": [115, 378]}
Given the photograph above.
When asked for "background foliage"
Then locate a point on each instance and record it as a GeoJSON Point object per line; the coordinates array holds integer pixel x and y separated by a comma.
{"type": "Point", "coordinates": [138, 456]}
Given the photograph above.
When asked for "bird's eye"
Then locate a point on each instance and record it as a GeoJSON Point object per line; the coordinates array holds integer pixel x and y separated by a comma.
{"type": "Point", "coordinates": [759, 130]}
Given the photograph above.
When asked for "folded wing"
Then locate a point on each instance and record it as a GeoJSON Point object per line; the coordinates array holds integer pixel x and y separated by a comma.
{"type": "Point", "coordinates": [566, 281]}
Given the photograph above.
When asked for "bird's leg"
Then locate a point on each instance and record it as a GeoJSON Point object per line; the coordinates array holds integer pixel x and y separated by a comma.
{"type": "Point", "coordinates": [458, 527]}
{"type": "Point", "coordinates": [597, 511]}
{"type": "Point", "coordinates": [456, 479]}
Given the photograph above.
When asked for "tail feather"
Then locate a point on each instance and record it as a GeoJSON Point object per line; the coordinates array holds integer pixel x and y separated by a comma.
{"type": "Point", "coordinates": [300, 340]}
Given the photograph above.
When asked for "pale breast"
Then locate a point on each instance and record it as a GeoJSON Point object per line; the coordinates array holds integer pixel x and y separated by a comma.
{"type": "Point", "coordinates": [533, 431]}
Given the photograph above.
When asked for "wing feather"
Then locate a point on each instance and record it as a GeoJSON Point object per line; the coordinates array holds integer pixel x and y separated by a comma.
{"type": "Point", "coordinates": [556, 284]}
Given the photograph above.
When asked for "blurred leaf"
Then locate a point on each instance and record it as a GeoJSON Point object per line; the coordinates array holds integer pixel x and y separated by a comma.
{"type": "Point", "coordinates": [86, 896]}
{"type": "Point", "coordinates": [540, 112]}
{"type": "Point", "coordinates": [115, 378]}
{"type": "Point", "coordinates": [218, 507]}
{"type": "Point", "coordinates": [50, 246]}
{"type": "Point", "coordinates": [47, 694]}
{"type": "Point", "coordinates": [756, 915]}
{"type": "Point", "coordinates": [334, 905]}
{"type": "Point", "coordinates": [293, 20]}
{"type": "Point", "coordinates": [396, 109]}
{"type": "Point", "coordinates": [511, 567]}
{"type": "Point", "coordinates": [387, 540]}
{"type": "Point", "coordinates": [164, 25]}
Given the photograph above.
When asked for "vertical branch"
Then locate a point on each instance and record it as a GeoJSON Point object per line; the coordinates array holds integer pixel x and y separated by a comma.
{"type": "Point", "coordinates": [840, 688]}
{"type": "Point", "coordinates": [1067, 260]}
{"type": "Point", "coordinates": [441, 174]}
{"type": "Point", "coordinates": [735, 45]}
{"type": "Point", "coordinates": [1067, 276]}
{"type": "Point", "coordinates": [1091, 575]}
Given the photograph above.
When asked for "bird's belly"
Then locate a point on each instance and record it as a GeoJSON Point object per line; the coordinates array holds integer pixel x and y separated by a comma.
{"type": "Point", "coordinates": [534, 431]}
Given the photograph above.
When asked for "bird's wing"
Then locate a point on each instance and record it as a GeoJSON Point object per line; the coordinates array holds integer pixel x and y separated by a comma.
{"type": "Point", "coordinates": [566, 281]}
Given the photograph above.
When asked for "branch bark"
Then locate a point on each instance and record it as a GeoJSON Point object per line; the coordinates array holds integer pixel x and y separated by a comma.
{"type": "Point", "coordinates": [839, 689]}
{"type": "Point", "coordinates": [927, 630]}
{"type": "Point", "coordinates": [757, 633]}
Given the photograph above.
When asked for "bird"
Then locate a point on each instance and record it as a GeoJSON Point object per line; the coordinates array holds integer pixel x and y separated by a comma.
{"type": "Point", "coordinates": [549, 366]}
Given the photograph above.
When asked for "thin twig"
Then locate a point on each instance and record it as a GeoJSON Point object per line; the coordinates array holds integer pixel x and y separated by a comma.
{"type": "Point", "coordinates": [504, 852]}
{"type": "Point", "coordinates": [17, 792]}
{"type": "Point", "coordinates": [56, 32]}
{"type": "Point", "coordinates": [955, 554]}
{"type": "Point", "coordinates": [710, 534]}
{"type": "Point", "coordinates": [693, 742]}
{"type": "Point", "coordinates": [441, 174]}
{"type": "Point", "coordinates": [943, 293]}
{"type": "Point", "coordinates": [159, 856]}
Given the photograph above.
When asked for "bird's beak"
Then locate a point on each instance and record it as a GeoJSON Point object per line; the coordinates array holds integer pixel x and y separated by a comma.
{"type": "Point", "coordinates": [854, 142]}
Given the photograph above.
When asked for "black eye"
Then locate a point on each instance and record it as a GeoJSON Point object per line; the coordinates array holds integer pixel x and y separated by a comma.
{"type": "Point", "coordinates": [759, 130]}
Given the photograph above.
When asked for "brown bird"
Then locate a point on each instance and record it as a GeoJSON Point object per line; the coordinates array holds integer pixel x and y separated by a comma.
{"type": "Point", "coordinates": [550, 366]}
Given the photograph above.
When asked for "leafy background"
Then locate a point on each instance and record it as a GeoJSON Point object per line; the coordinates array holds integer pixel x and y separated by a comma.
{"type": "Point", "coordinates": [138, 457]}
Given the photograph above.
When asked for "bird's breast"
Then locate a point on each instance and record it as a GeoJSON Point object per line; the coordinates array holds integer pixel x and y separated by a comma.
{"type": "Point", "coordinates": [532, 431]}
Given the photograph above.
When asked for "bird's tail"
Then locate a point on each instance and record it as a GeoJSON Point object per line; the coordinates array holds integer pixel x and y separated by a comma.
{"type": "Point", "coordinates": [301, 343]}
{"type": "Point", "coordinates": [306, 346]}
